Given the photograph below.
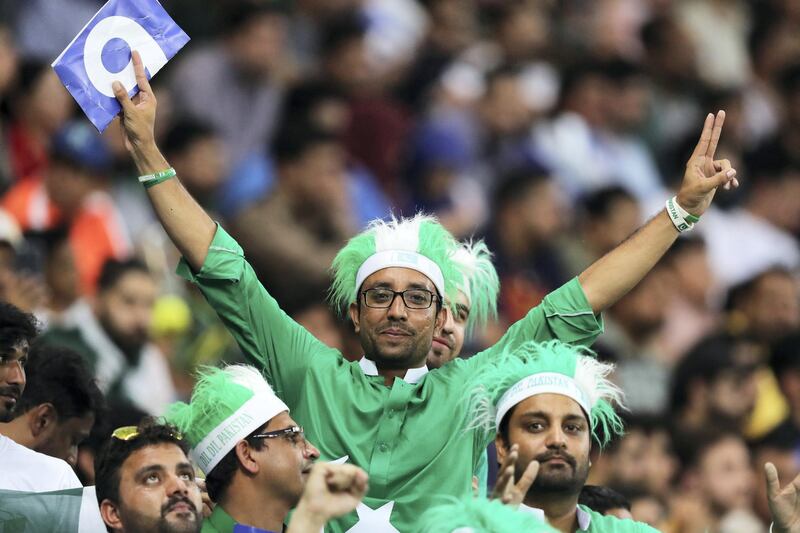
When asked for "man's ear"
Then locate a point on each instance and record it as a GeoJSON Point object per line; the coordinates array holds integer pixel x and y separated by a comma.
{"type": "Point", "coordinates": [353, 310]}
{"type": "Point", "coordinates": [244, 453]}
{"type": "Point", "coordinates": [42, 418]}
{"type": "Point", "coordinates": [110, 515]}
{"type": "Point", "coordinates": [502, 450]}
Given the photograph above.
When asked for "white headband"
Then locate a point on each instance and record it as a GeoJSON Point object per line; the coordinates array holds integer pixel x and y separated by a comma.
{"type": "Point", "coordinates": [542, 383]}
{"type": "Point", "coordinates": [404, 259]}
{"type": "Point", "coordinates": [253, 414]}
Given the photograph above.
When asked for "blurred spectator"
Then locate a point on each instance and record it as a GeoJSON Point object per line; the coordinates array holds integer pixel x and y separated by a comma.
{"type": "Point", "coordinates": [58, 408]}
{"type": "Point", "coordinates": [234, 82]}
{"type": "Point", "coordinates": [40, 106]}
{"type": "Point", "coordinates": [605, 501]}
{"type": "Point", "coordinates": [718, 487]}
{"type": "Point", "coordinates": [766, 306]}
{"type": "Point", "coordinates": [8, 72]}
{"type": "Point", "coordinates": [528, 218]}
{"type": "Point", "coordinates": [60, 275]}
{"type": "Point", "coordinates": [592, 142]}
{"type": "Point", "coordinates": [632, 329]}
{"type": "Point", "coordinates": [783, 454]}
{"type": "Point", "coordinates": [72, 191]}
{"type": "Point", "coordinates": [113, 334]}
{"type": "Point", "coordinates": [764, 226]}
{"type": "Point", "coordinates": [44, 29]}
{"type": "Point", "coordinates": [715, 385]}
{"type": "Point", "coordinates": [785, 365]}
{"type": "Point", "coordinates": [292, 236]}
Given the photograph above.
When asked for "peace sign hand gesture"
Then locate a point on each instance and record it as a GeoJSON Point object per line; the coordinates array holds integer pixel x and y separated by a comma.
{"type": "Point", "coordinates": [703, 173]}
{"type": "Point", "coordinates": [784, 503]}
{"type": "Point", "coordinates": [505, 489]}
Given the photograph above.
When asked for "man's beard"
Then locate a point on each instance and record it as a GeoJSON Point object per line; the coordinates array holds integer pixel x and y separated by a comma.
{"type": "Point", "coordinates": [135, 522]}
{"type": "Point", "coordinates": [7, 407]}
{"type": "Point", "coordinates": [568, 479]}
{"type": "Point", "coordinates": [414, 355]}
{"type": "Point", "coordinates": [130, 345]}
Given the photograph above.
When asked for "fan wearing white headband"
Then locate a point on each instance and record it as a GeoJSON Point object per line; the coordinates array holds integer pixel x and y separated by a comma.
{"type": "Point", "coordinates": [546, 402]}
{"type": "Point", "coordinates": [386, 413]}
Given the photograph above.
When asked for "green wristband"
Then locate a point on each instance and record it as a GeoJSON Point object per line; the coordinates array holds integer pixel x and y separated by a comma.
{"type": "Point", "coordinates": [151, 180]}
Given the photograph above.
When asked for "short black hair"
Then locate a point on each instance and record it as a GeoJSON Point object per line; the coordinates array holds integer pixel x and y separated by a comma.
{"type": "Point", "coordinates": [599, 203]}
{"type": "Point", "coordinates": [341, 29]}
{"type": "Point", "coordinates": [61, 377]}
{"type": "Point", "coordinates": [602, 499]}
{"type": "Point", "coordinates": [785, 354]}
{"type": "Point", "coordinates": [517, 182]}
{"type": "Point", "coordinates": [221, 476]}
{"type": "Point", "coordinates": [696, 447]}
{"type": "Point", "coordinates": [184, 133]}
{"type": "Point", "coordinates": [739, 293]}
{"type": "Point", "coordinates": [296, 138]}
{"type": "Point", "coordinates": [16, 326]}
{"type": "Point", "coordinates": [239, 13]}
{"type": "Point", "coordinates": [114, 269]}
{"type": "Point", "coordinates": [112, 455]}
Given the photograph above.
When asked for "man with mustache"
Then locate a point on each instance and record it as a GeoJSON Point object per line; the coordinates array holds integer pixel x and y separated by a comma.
{"type": "Point", "coordinates": [547, 403]}
{"type": "Point", "coordinates": [23, 469]}
{"type": "Point", "coordinates": [255, 457]}
{"type": "Point", "coordinates": [146, 483]}
{"type": "Point", "coordinates": [386, 412]}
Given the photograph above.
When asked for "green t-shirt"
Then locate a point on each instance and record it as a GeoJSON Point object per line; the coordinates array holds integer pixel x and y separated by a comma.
{"type": "Point", "coordinates": [409, 437]}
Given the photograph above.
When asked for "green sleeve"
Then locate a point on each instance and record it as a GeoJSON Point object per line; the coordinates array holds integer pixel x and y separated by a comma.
{"type": "Point", "coordinates": [269, 338]}
{"type": "Point", "coordinates": [564, 314]}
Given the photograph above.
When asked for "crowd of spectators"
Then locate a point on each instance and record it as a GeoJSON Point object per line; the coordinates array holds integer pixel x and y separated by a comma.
{"type": "Point", "coordinates": [552, 129]}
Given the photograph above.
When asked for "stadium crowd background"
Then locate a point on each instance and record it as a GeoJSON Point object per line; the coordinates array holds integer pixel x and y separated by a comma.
{"type": "Point", "coordinates": [551, 128]}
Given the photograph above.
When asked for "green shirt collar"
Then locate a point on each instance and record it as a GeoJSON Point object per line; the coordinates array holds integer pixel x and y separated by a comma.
{"type": "Point", "coordinates": [218, 522]}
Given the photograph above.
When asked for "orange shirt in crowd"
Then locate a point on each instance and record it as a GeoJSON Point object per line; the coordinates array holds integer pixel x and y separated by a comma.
{"type": "Point", "coordinates": [96, 233]}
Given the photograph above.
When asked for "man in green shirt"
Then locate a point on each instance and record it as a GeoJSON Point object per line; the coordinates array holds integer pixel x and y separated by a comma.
{"type": "Point", "coordinates": [386, 413]}
{"type": "Point", "coordinates": [546, 402]}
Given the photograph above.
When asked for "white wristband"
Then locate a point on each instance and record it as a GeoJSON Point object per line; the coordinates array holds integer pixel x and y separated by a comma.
{"type": "Point", "coordinates": [682, 219]}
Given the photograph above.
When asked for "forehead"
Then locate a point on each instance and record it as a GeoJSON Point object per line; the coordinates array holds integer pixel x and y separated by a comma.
{"type": "Point", "coordinates": [17, 350]}
{"type": "Point", "coordinates": [398, 278]}
{"type": "Point", "coordinates": [164, 455]}
{"type": "Point", "coordinates": [554, 406]}
{"type": "Point", "coordinates": [280, 421]}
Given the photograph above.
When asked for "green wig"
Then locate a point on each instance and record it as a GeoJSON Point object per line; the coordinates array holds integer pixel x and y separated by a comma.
{"type": "Point", "coordinates": [480, 284]}
{"type": "Point", "coordinates": [550, 367]}
{"type": "Point", "coordinates": [479, 515]}
{"type": "Point", "coordinates": [419, 243]}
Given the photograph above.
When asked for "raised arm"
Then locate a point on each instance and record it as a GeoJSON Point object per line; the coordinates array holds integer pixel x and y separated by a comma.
{"type": "Point", "coordinates": [187, 224]}
{"type": "Point", "coordinates": [609, 278]}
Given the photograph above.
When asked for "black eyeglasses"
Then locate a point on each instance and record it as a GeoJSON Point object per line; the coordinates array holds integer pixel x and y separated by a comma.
{"type": "Point", "coordinates": [382, 298]}
{"type": "Point", "coordinates": [291, 433]}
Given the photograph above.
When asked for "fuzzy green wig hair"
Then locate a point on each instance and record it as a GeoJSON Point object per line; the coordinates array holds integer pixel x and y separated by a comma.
{"type": "Point", "coordinates": [421, 234]}
{"type": "Point", "coordinates": [227, 404]}
{"type": "Point", "coordinates": [479, 515]}
{"type": "Point", "coordinates": [508, 370]}
{"type": "Point", "coordinates": [480, 284]}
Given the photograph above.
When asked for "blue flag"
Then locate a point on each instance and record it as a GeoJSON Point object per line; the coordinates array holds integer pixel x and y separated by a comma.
{"type": "Point", "coordinates": [101, 54]}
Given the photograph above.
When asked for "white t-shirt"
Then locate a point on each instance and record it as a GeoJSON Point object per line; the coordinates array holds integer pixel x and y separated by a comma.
{"type": "Point", "coordinates": [24, 469]}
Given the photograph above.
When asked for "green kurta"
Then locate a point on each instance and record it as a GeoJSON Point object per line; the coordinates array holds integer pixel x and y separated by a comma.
{"type": "Point", "coordinates": [409, 437]}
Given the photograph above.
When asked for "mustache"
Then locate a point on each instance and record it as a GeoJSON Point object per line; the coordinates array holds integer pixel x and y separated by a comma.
{"type": "Point", "coordinates": [397, 325]}
{"type": "Point", "coordinates": [174, 500]}
{"type": "Point", "coordinates": [15, 391]}
{"type": "Point", "coordinates": [546, 456]}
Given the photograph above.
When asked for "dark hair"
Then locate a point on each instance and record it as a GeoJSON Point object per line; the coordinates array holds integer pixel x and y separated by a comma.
{"type": "Point", "coordinates": [16, 326]}
{"type": "Point", "coordinates": [697, 446]}
{"type": "Point", "coordinates": [112, 455]}
{"type": "Point", "coordinates": [239, 13]}
{"type": "Point", "coordinates": [296, 138]}
{"type": "Point", "coordinates": [602, 499]}
{"type": "Point", "coordinates": [517, 182]}
{"type": "Point", "coordinates": [220, 477]}
{"type": "Point", "coordinates": [655, 33]}
{"type": "Point", "coordinates": [114, 269]}
{"type": "Point", "coordinates": [786, 354]}
{"type": "Point", "coordinates": [342, 29]}
{"type": "Point", "coordinates": [599, 203]}
{"type": "Point", "coordinates": [739, 293]}
{"type": "Point", "coordinates": [185, 132]}
{"type": "Point", "coordinates": [61, 377]}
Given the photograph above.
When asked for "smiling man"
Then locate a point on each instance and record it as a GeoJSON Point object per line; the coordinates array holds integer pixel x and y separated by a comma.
{"type": "Point", "coordinates": [548, 402]}
{"type": "Point", "coordinates": [255, 457]}
{"type": "Point", "coordinates": [386, 413]}
{"type": "Point", "coordinates": [145, 481]}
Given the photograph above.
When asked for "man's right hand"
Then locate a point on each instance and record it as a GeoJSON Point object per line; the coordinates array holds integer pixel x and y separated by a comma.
{"type": "Point", "coordinates": [331, 491]}
{"type": "Point", "coordinates": [784, 503]}
{"type": "Point", "coordinates": [138, 113]}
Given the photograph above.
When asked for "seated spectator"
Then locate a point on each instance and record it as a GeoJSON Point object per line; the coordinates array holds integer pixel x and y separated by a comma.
{"type": "Point", "coordinates": [58, 408]}
{"type": "Point", "coordinates": [255, 457]}
{"type": "Point", "coordinates": [145, 481]}
{"type": "Point", "coordinates": [715, 385]}
{"type": "Point", "coordinates": [718, 486]}
{"type": "Point", "coordinates": [23, 469]}
{"type": "Point", "coordinates": [785, 365]}
{"type": "Point", "coordinates": [72, 191]}
{"type": "Point", "coordinates": [766, 306]}
{"type": "Point", "coordinates": [113, 334]}
{"type": "Point", "coordinates": [605, 501]}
